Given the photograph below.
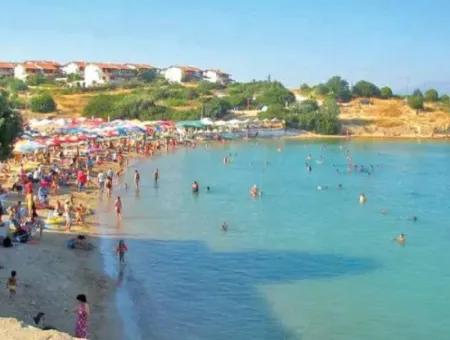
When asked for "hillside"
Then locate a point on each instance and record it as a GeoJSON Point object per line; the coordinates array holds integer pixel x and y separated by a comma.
{"type": "Point", "coordinates": [162, 100]}
{"type": "Point", "coordinates": [393, 118]}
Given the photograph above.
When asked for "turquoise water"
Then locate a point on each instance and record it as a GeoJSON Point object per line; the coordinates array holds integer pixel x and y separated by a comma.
{"type": "Point", "coordinates": [297, 263]}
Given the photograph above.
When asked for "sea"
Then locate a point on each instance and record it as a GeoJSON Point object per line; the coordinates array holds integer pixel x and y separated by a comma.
{"type": "Point", "coordinates": [305, 260]}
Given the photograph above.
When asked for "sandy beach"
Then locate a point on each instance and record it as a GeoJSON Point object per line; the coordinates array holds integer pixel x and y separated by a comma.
{"type": "Point", "coordinates": [50, 275]}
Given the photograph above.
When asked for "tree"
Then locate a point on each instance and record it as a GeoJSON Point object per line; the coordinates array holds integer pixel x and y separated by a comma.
{"type": "Point", "coordinates": [365, 89]}
{"type": "Point", "coordinates": [326, 120]}
{"type": "Point", "coordinates": [417, 93]}
{"type": "Point", "coordinates": [306, 106]}
{"type": "Point", "coordinates": [43, 103]}
{"type": "Point", "coordinates": [445, 98]}
{"type": "Point", "coordinates": [10, 127]}
{"type": "Point", "coordinates": [386, 92]}
{"type": "Point", "coordinates": [274, 93]}
{"type": "Point", "coordinates": [101, 105]}
{"type": "Point", "coordinates": [415, 102]}
{"type": "Point", "coordinates": [16, 85]}
{"type": "Point", "coordinates": [431, 95]}
{"type": "Point", "coordinates": [339, 88]}
{"type": "Point", "coordinates": [36, 79]}
{"type": "Point", "coordinates": [305, 88]}
{"type": "Point", "coordinates": [322, 89]}
{"type": "Point", "coordinates": [216, 108]}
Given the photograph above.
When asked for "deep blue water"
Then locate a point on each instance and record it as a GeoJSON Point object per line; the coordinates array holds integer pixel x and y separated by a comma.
{"type": "Point", "coordinates": [297, 263]}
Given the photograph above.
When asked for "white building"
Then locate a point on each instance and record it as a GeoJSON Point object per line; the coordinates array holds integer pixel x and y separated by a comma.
{"type": "Point", "coordinates": [180, 74]}
{"type": "Point", "coordinates": [105, 73]}
{"type": "Point", "coordinates": [74, 67]}
{"type": "Point", "coordinates": [216, 76]}
{"type": "Point", "coordinates": [140, 67]}
{"type": "Point", "coordinates": [7, 69]}
{"type": "Point", "coordinates": [49, 69]}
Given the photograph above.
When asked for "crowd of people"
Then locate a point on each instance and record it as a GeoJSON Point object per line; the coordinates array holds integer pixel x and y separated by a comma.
{"type": "Point", "coordinates": [46, 191]}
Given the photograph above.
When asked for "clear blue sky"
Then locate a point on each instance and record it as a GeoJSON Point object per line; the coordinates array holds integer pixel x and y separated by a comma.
{"type": "Point", "coordinates": [386, 41]}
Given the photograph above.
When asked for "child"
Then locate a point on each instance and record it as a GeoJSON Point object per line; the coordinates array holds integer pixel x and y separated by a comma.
{"type": "Point", "coordinates": [121, 249]}
{"type": "Point", "coordinates": [12, 284]}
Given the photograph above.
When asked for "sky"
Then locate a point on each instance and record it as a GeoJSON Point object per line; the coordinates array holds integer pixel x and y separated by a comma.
{"type": "Point", "coordinates": [403, 44]}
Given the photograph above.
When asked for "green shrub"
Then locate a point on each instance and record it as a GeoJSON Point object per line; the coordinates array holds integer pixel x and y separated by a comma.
{"type": "Point", "coordinates": [43, 103]}
{"type": "Point", "coordinates": [16, 85]}
{"type": "Point", "coordinates": [216, 108]}
{"type": "Point", "coordinates": [101, 105]}
{"type": "Point", "coordinates": [206, 87]}
{"type": "Point", "coordinates": [37, 79]}
{"type": "Point", "coordinates": [365, 89]}
{"type": "Point", "coordinates": [386, 92]}
{"type": "Point", "coordinates": [431, 95]}
{"type": "Point", "coordinates": [415, 101]}
{"type": "Point", "coordinates": [175, 102]}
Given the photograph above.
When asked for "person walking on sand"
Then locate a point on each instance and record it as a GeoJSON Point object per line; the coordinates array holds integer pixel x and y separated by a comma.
{"type": "Point", "coordinates": [121, 250]}
{"type": "Point", "coordinates": [101, 177]}
{"type": "Point", "coordinates": [118, 207]}
{"type": "Point", "coordinates": [67, 208]}
{"type": "Point", "coordinates": [11, 284]}
{"type": "Point", "coordinates": [82, 316]}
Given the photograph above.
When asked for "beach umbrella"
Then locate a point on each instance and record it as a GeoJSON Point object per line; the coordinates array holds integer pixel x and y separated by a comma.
{"type": "Point", "coordinates": [27, 146]}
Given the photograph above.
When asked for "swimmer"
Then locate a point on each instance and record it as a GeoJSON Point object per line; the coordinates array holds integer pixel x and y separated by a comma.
{"type": "Point", "coordinates": [225, 160]}
{"type": "Point", "coordinates": [254, 191]}
{"type": "Point", "coordinates": [362, 198]}
{"type": "Point", "coordinates": [156, 176]}
{"type": "Point", "coordinates": [320, 187]}
{"type": "Point", "coordinates": [208, 189]}
{"type": "Point", "coordinates": [340, 186]}
{"type": "Point", "coordinates": [224, 226]}
{"type": "Point", "coordinates": [195, 187]}
{"type": "Point", "coordinates": [400, 239]}
{"type": "Point", "coordinates": [414, 218]}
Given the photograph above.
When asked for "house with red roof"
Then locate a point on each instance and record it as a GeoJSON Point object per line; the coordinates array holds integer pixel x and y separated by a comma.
{"type": "Point", "coordinates": [216, 76]}
{"type": "Point", "coordinates": [104, 73]}
{"type": "Point", "coordinates": [181, 74]}
{"type": "Point", "coordinates": [140, 67]}
{"type": "Point", "coordinates": [74, 67]}
{"type": "Point", "coordinates": [50, 69]}
{"type": "Point", "coordinates": [7, 69]}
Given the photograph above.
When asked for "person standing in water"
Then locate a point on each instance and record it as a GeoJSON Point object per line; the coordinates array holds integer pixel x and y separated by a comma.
{"type": "Point", "coordinates": [118, 207]}
{"type": "Point", "coordinates": [156, 176]}
{"type": "Point", "coordinates": [121, 250]}
{"type": "Point", "coordinates": [401, 239]}
{"type": "Point", "coordinates": [137, 178]}
{"type": "Point", "coordinates": [195, 187]}
{"type": "Point", "coordinates": [225, 226]}
{"type": "Point", "coordinates": [362, 198]}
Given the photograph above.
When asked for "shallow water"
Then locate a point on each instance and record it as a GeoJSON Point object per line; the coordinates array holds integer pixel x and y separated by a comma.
{"type": "Point", "coordinates": [297, 263]}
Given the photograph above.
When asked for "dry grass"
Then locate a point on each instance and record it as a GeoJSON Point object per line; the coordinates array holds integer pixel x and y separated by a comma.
{"type": "Point", "coordinates": [393, 117]}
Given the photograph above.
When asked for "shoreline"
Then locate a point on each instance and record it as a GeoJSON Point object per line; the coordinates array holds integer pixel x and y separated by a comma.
{"type": "Point", "coordinates": [50, 275]}
{"type": "Point", "coordinates": [310, 136]}
{"type": "Point", "coordinates": [68, 270]}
